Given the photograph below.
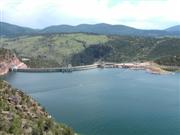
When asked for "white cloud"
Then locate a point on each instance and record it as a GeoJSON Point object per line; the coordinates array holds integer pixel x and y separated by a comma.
{"type": "Point", "coordinates": [141, 14]}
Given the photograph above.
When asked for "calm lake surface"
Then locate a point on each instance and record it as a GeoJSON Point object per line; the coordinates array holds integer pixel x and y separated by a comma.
{"type": "Point", "coordinates": [107, 101]}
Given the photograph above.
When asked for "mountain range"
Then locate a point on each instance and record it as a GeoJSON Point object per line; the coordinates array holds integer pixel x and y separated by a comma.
{"type": "Point", "coordinates": [7, 29]}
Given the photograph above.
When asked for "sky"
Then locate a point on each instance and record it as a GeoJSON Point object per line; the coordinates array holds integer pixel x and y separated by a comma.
{"type": "Point", "coordinates": [143, 14]}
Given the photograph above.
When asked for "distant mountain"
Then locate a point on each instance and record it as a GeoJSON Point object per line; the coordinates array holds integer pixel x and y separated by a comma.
{"type": "Point", "coordinates": [7, 29]}
{"type": "Point", "coordinates": [58, 29]}
{"type": "Point", "coordinates": [173, 28]}
{"type": "Point", "coordinates": [101, 28]}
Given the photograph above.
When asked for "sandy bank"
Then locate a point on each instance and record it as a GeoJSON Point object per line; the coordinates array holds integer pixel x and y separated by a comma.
{"type": "Point", "coordinates": [148, 66]}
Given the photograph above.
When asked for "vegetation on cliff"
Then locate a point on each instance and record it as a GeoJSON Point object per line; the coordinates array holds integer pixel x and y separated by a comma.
{"type": "Point", "coordinates": [21, 115]}
{"type": "Point", "coordinates": [5, 54]}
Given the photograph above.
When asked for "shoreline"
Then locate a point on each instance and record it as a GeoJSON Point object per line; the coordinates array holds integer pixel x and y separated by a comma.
{"type": "Point", "coordinates": [9, 63]}
{"type": "Point", "coordinates": [28, 112]}
{"type": "Point", "coordinates": [6, 68]}
{"type": "Point", "coordinates": [149, 67]}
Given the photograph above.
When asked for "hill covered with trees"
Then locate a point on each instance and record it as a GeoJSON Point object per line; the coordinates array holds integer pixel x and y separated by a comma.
{"type": "Point", "coordinates": [56, 50]}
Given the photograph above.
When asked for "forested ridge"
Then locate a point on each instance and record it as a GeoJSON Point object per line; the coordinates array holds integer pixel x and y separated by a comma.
{"type": "Point", "coordinates": [57, 50]}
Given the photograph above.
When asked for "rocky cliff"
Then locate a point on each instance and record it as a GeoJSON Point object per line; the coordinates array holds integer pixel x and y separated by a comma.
{"type": "Point", "coordinates": [9, 60]}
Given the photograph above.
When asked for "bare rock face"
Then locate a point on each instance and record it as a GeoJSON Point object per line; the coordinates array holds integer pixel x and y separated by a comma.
{"type": "Point", "coordinates": [9, 60]}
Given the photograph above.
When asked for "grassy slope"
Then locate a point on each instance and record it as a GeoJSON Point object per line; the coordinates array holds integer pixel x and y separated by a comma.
{"type": "Point", "coordinates": [20, 114]}
{"type": "Point", "coordinates": [57, 47]}
{"type": "Point", "coordinates": [78, 48]}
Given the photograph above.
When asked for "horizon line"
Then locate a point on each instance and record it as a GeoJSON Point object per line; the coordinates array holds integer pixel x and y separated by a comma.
{"type": "Point", "coordinates": [85, 24]}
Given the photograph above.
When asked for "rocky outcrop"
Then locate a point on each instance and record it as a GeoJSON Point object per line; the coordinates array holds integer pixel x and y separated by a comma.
{"type": "Point", "coordinates": [9, 60]}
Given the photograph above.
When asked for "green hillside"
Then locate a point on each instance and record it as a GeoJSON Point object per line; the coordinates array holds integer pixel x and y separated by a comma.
{"type": "Point", "coordinates": [56, 49]}
{"type": "Point", "coordinates": [21, 115]}
{"type": "Point", "coordinates": [78, 49]}
{"type": "Point", "coordinates": [11, 30]}
{"type": "Point", "coordinates": [131, 49]}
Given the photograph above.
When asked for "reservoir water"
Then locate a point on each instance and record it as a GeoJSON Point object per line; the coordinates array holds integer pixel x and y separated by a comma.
{"type": "Point", "coordinates": [107, 101]}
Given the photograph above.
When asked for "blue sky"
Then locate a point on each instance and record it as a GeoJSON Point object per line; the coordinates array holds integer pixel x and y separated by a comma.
{"type": "Point", "coordinates": [145, 14]}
